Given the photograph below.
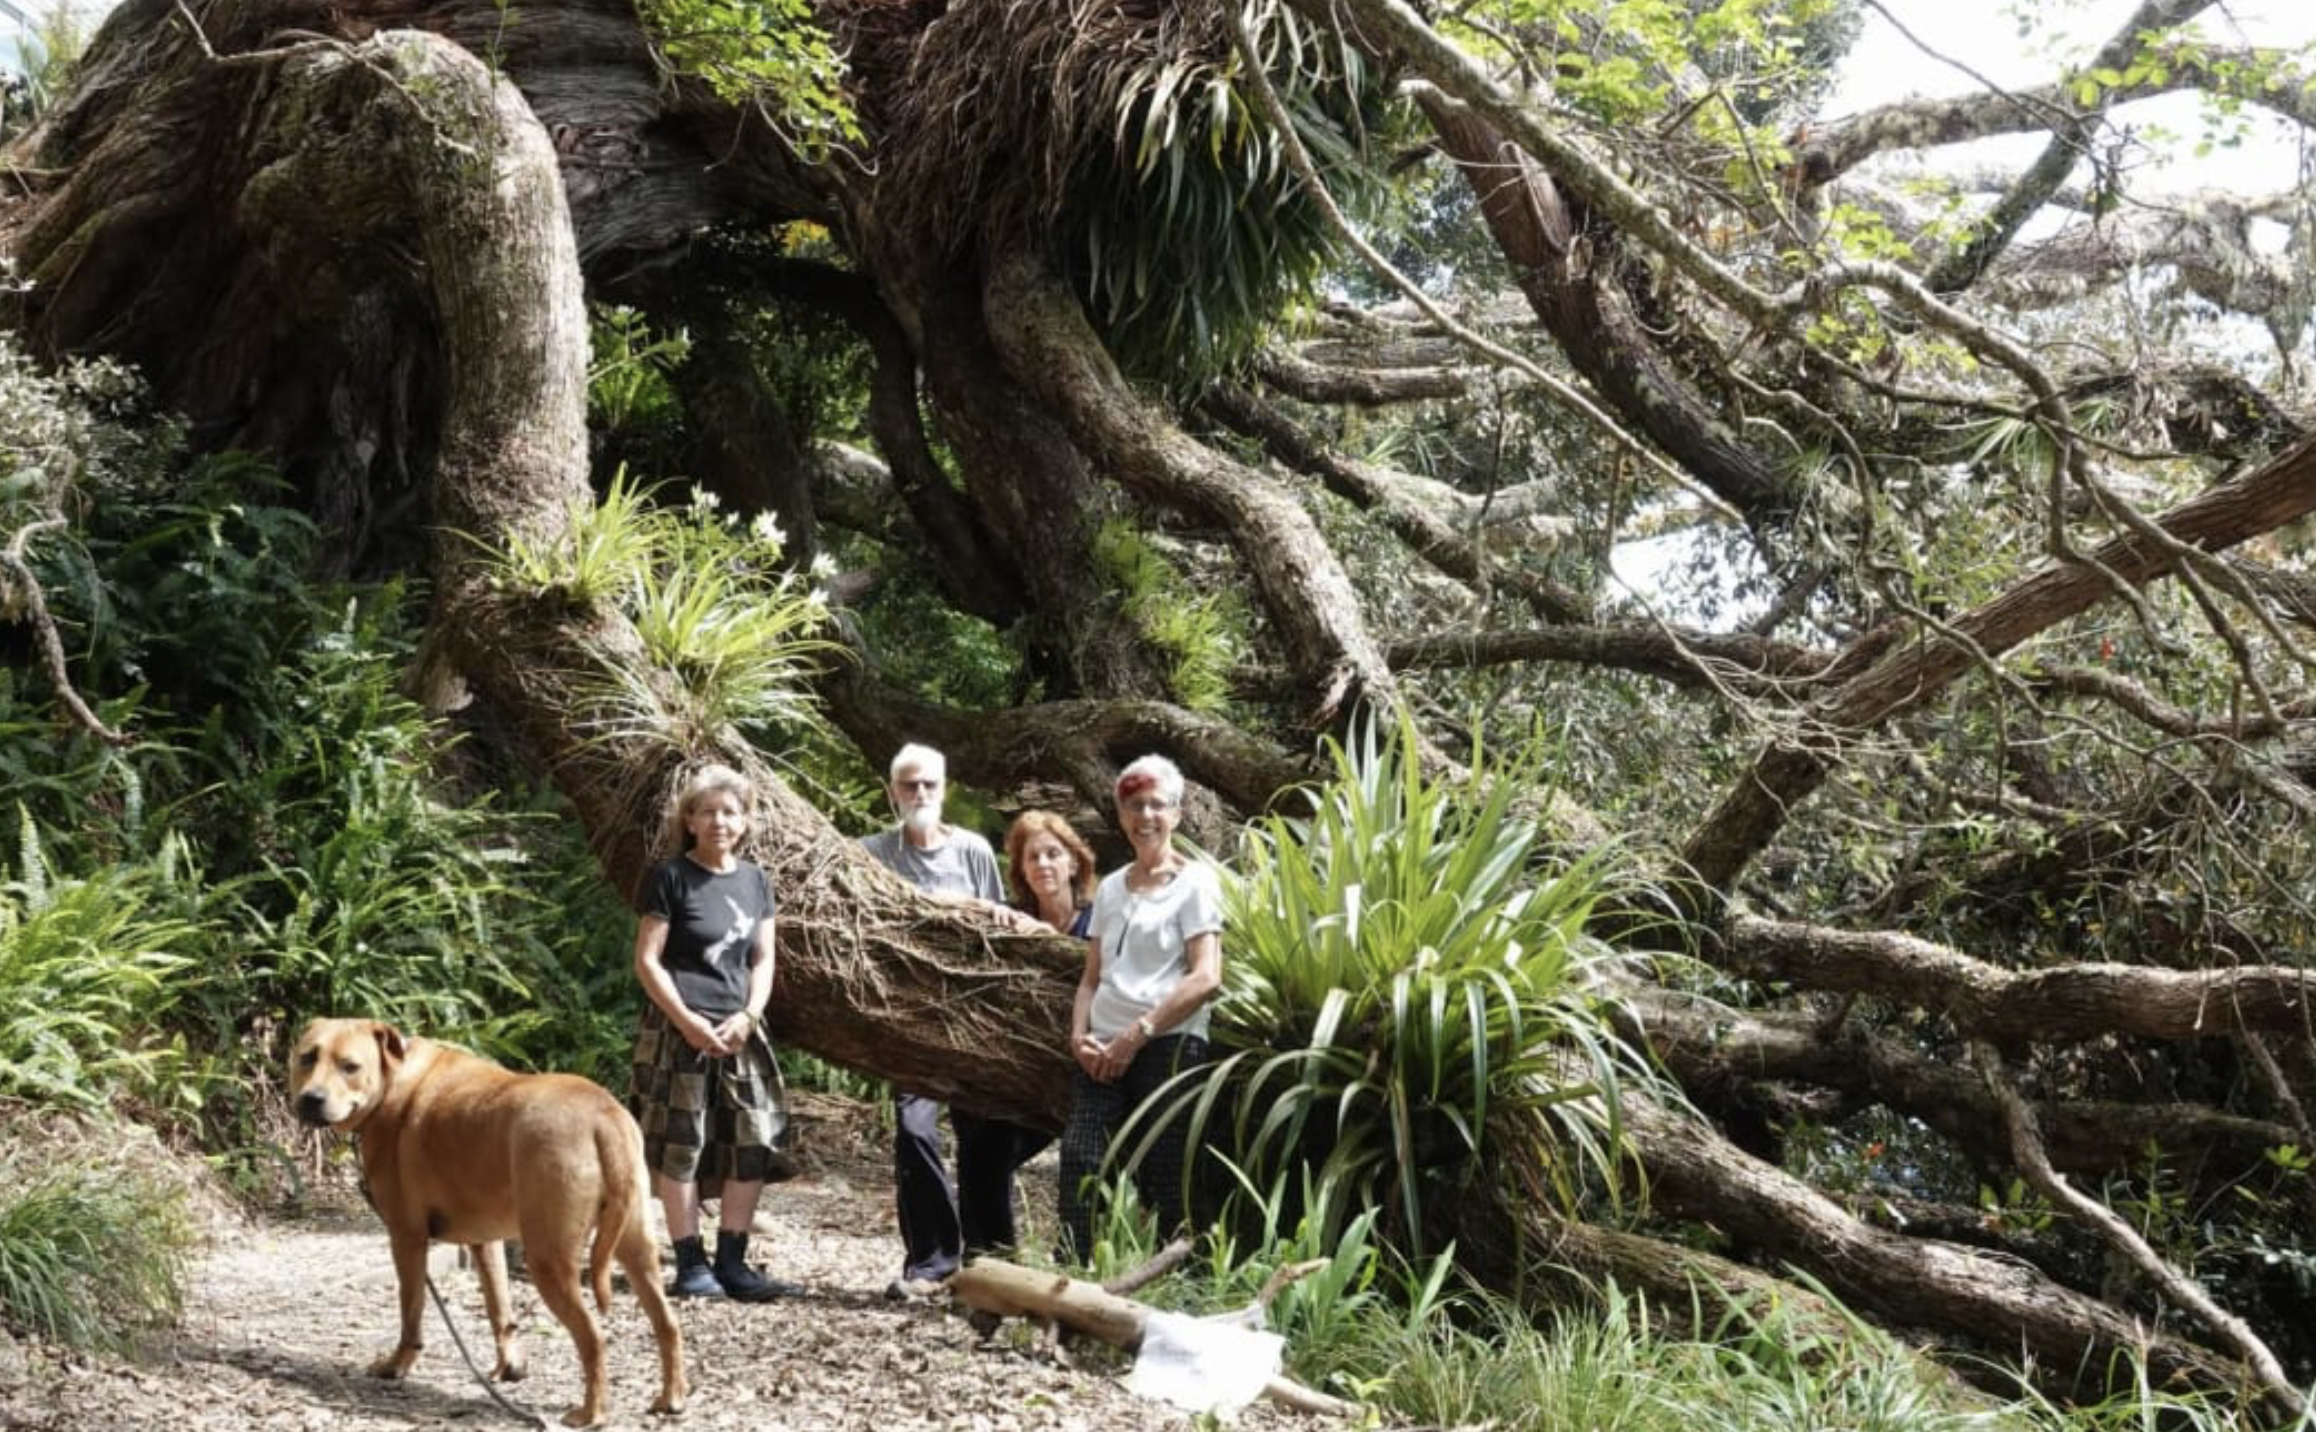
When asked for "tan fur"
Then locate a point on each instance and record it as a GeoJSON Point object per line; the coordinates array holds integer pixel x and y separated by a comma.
{"type": "Point", "coordinates": [456, 1149]}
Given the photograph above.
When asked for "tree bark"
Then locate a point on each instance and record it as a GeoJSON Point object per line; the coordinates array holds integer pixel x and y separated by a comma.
{"type": "Point", "coordinates": [1041, 331]}
{"type": "Point", "coordinates": [2058, 1005]}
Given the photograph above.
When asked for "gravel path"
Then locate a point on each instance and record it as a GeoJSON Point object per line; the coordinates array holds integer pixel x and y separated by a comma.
{"type": "Point", "coordinates": [284, 1313]}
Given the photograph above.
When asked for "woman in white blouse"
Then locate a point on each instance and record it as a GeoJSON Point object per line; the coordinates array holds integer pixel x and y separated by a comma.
{"type": "Point", "coordinates": [1153, 960]}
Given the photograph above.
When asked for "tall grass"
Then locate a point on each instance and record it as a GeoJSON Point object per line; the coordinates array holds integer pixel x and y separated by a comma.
{"type": "Point", "coordinates": [1614, 1370]}
{"type": "Point", "coordinates": [89, 1255]}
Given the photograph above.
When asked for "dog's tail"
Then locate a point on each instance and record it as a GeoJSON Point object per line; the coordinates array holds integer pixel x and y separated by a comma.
{"type": "Point", "coordinates": [619, 1152]}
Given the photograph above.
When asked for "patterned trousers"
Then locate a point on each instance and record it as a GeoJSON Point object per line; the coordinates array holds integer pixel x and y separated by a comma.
{"type": "Point", "coordinates": [1097, 1112]}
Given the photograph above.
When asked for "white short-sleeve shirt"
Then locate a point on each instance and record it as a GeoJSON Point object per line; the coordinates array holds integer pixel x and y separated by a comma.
{"type": "Point", "coordinates": [1144, 940]}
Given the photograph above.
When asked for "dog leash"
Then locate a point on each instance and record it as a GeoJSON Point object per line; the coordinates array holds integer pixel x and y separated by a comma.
{"type": "Point", "coordinates": [525, 1413]}
{"type": "Point", "coordinates": [362, 1182]}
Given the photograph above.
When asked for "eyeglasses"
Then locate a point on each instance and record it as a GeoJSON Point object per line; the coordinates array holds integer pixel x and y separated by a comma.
{"type": "Point", "coordinates": [1146, 807]}
{"type": "Point", "coordinates": [916, 785]}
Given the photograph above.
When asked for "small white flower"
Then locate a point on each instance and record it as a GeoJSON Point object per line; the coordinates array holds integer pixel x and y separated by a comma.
{"type": "Point", "coordinates": [823, 566]}
{"type": "Point", "coordinates": [766, 528]}
{"type": "Point", "coordinates": [704, 500]}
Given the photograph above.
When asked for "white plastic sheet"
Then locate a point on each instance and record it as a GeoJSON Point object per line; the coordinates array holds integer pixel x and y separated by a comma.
{"type": "Point", "coordinates": [1200, 1365]}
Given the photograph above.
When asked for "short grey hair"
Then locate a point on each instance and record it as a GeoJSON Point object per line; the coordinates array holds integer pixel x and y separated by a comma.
{"type": "Point", "coordinates": [920, 757]}
{"type": "Point", "coordinates": [707, 781]}
{"type": "Point", "coordinates": [1155, 772]}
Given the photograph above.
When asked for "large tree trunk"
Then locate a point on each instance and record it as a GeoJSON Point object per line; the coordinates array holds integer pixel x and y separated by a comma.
{"type": "Point", "coordinates": [341, 158]}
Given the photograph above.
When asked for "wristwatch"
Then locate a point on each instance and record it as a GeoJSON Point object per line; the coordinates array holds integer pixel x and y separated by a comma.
{"type": "Point", "coordinates": [1146, 1029]}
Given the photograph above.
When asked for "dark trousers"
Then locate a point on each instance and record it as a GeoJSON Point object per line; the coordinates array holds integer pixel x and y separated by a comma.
{"type": "Point", "coordinates": [943, 1223]}
{"type": "Point", "coordinates": [1097, 1112]}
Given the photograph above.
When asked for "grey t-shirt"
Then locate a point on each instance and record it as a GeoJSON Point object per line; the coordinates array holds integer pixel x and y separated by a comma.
{"type": "Point", "coordinates": [963, 864]}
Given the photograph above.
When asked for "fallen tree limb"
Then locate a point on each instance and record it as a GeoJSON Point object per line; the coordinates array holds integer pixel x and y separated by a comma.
{"type": "Point", "coordinates": [2058, 1004]}
{"type": "Point", "coordinates": [1164, 1261]}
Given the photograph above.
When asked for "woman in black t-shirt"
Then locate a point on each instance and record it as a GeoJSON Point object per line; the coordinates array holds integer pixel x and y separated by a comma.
{"type": "Point", "coordinates": [706, 1089]}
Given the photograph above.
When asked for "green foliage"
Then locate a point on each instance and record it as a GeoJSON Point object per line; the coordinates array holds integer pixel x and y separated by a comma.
{"type": "Point", "coordinates": [80, 795]}
{"type": "Point", "coordinates": [371, 894]}
{"type": "Point", "coordinates": [1202, 631]}
{"type": "Point", "coordinates": [1413, 994]}
{"type": "Point", "coordinates": [1126, 1235]}
{"type": "Point", "coordinates": [186, 582]}
{"type": "Point", "coordinates": [89, 1255]}
{"type": "Point", "coordinates": [934, 649]}
{"type": "Point", "coordinates": [85, 971]}
{"type": "Point", "coordinates": [627, 377]}
{"type": "Point", "coordinates": [1614, 1369]}
{"type": "Point", "coordinates": [280, 837]}
{"type": "Point", "coordinates": [159, 574]}
{"type": "Point", "coordinates": [1193, 231]}
{"type": "Point", "coordinates": [1622, 61]}
{"type": "Point", "coordinates": [49, 54]}
{"type": "Point", "coordinates": [2142, 1407]}
{"type": "Point", "coordinates": [767, 54]}
{"type": "Point", "coordinates": [728, 633]}
{"type": "Point", "coordinates": [1418, 1349]}
{"type": "Point", "coordinates": [604, 549]}
{"type": "Point", "coordinates": [1356, 1288]}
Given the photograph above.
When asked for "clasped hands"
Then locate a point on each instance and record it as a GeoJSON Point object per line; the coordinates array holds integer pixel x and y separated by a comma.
{"type": "Point", "coordinates": [721, 1038]}
{"type": "Point", "coordinates": [1103, 1062]}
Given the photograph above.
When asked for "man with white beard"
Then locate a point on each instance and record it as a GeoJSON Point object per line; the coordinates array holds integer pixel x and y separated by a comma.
{"type": "Point", "coordinates": [943, 1223]}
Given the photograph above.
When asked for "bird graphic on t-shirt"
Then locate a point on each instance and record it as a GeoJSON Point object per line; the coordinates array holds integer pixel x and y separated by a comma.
{"type": "Point", "coordinates": [743, 927]}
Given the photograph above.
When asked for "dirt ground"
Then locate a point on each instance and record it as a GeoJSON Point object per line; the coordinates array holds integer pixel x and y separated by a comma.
{"type": "Point", "coordinates": [285, 1311]}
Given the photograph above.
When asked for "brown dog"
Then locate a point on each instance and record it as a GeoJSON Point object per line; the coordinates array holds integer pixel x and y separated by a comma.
{"type": "Point", "coordinates": [458, 1150]}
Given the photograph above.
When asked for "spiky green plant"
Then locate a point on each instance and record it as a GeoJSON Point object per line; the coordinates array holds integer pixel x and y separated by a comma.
{"type": "Point", "coordinates": [1127, 139]}
{"type": "Point", "coordinates": [1413, 991]}
{"type": "Point", "coordinates": [730, 636]}
{"type": "Point", "coordinates": [1195, 233]}
{"type": "Point", "coordinates": [599, 553]}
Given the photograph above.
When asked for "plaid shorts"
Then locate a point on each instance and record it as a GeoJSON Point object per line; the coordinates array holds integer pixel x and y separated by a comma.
{"type": "Point", "coordinates": [707, 1119]}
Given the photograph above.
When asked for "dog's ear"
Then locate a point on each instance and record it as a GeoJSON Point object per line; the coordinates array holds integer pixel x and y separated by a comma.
{"type": "Point", "coordinates": [391, 1045]}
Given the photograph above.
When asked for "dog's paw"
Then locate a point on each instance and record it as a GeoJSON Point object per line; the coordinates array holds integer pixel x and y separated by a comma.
{"type": "Point", "coordinates": [667, 1406]}
{"type": "Point", "coordinates": [583, 1417]}
{"type": "Point", "coordinates": [513, 1366]}
{"type": "Point", "coordinates": [394, 1364]}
